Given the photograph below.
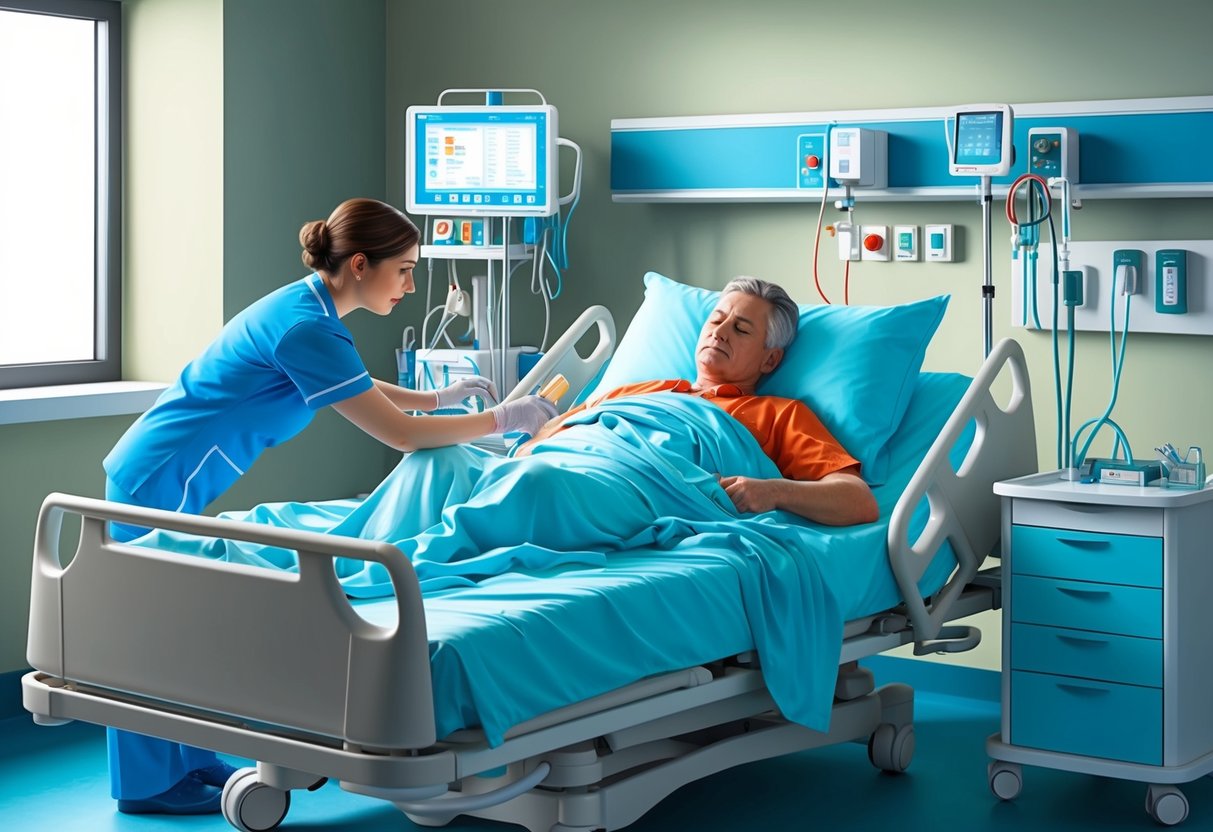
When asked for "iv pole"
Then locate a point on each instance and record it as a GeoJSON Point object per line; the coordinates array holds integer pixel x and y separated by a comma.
{"type": "Point", "coordinates": [987, 288]}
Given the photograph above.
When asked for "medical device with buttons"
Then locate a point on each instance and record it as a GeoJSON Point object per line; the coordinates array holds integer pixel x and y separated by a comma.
{"type": "Point", "coordinates": [981, 141]}
{"type": "Point", "coordinates": [495, 160]}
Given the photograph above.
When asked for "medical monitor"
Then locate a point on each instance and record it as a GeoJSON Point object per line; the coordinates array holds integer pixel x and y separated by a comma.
{"type": "Point", "coordinates": [981, 141]}
{"type": "Point", "coordinates": [490, 160]}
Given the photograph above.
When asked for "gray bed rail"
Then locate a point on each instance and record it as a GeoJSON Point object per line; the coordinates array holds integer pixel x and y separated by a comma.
{"type": "Point", "coordinates": [964, 510]}
{"type": "Point", "coordinates": [163, 626]}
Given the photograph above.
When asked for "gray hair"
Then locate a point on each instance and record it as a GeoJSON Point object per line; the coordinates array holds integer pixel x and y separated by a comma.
{"type": "Point", "coordinates": [784, 315]}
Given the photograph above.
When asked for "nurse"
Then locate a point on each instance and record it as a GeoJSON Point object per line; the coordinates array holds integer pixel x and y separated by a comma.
{"type": "Point", "coordinates": [258, 384]}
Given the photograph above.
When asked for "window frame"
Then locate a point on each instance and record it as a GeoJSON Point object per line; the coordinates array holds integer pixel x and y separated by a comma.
{"type": "Point", "coordinates": [107, 270]}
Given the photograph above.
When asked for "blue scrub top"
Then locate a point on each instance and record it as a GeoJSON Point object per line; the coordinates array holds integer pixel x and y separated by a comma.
{"type": "Point", "coordinates": [258, 384]}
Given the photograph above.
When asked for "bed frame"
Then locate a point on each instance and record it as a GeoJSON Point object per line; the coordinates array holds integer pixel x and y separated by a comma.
{"type": "Point", "coordinates": [114, 640]}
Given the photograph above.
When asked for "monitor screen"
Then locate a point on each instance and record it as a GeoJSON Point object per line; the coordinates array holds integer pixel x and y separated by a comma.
{"type": "Point", "coordinates": [979, 138]}
{"type": "Point", "coordinates": [494, 160]}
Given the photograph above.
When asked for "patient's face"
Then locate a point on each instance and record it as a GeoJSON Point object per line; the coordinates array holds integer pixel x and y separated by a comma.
{"type": "Point", "coordinates": [732, 344]}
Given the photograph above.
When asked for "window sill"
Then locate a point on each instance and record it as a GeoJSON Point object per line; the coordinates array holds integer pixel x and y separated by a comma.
{"type": "Point", "coordinates": [77, 401]}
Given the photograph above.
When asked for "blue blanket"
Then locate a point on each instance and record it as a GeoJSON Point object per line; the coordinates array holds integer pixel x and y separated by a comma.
{"type": "Point", "coordinates": [634, 474]}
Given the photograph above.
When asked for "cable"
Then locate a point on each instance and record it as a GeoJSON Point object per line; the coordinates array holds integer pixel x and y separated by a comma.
{"type": "Point", "coordinates": [1117, 365]}
{"type": "Point", "coordinates": [825, 191]}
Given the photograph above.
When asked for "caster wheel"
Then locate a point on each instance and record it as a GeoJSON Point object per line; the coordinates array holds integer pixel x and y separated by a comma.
{"type": "Point", "coordinates": [1167, 805]}
{"type": "Point", "coordinates": [1006, 779]}
{"type": "Point", "coordinates": [253, 806]}
{"type": "Point", "coordinates": [890, 748]}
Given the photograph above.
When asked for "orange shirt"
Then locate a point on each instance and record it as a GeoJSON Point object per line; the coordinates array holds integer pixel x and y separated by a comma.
{"type": "Point", "coordinates": [786, 429]}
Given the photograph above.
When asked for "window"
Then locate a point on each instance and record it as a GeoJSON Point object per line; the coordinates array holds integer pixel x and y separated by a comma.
{"type": "Point", "coordinates": [60, 185]}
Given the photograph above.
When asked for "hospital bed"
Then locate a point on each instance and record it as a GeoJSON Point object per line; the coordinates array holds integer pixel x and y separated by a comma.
{"type": "Point", "coordinates": [293, 675]}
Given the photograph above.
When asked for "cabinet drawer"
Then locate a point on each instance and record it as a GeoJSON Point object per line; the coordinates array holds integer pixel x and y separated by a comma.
{"type": "Point", "coordinates": [1093, 719]}
{"type": "Point", "coordinates": [1086, 556]}
{"type": "Point", "coordinates": [1110, 658]}
{"type": "Point", "coordinates": [1077, 605]}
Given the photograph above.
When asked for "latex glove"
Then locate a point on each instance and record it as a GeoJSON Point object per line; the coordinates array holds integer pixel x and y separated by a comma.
{"type": "Point", "coordinates": [525, 415]}
{"type": "Point", "coordinates": [465, 388]}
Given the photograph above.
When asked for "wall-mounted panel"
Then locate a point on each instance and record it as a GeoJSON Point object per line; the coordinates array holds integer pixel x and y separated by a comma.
{"type": "Point", "coordinates": [1128, 148]}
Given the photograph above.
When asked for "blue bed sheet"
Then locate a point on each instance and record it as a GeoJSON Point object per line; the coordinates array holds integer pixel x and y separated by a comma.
{"type": "Point", "coordinates": [632, 560]}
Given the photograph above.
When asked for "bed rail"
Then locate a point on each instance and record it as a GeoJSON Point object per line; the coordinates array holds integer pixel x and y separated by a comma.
{"type": "Point", "coordinates": [562, 357]}
{"type": "Point", "coordinates": [963, 507]}
{"type": "Point", "coordinates": [300, 657]}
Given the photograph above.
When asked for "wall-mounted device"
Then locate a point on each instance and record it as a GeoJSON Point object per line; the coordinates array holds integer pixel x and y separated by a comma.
{"type": "Point", "coordinates": [981, 140]}
{"type": "Point", "coordinates": [1053, 153]}
{"type": "Point", "coordinates": [1128, 270]}
{"type": "Point", "coordinates": [1171, 281]}
{"type": "Point", "coordinates": [905, 242]}
{"type": "Point", "coordinates": [859, 157]}
{"type": "Point", "coordinates": [937, 242]}
{"type": "Point", "coordinates": [496, 160]}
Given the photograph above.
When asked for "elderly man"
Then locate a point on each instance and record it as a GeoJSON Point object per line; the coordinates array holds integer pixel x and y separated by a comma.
{"type": "Point", "coordinates": [744, 339]}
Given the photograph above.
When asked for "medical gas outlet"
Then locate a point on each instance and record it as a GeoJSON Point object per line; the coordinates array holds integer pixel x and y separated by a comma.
{"type": "Point", "coordinates": [1054, 153]}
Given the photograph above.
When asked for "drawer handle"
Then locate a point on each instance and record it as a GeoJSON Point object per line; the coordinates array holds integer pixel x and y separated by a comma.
{"type": "Point", "coordinates": [1084, 593]}
{"type": "Point", "coordinates": [1083, 690]}
{"type": "Point", "coordinates": [1085, 544]}
{"type": "Point", "coordinates": [1090, 642]}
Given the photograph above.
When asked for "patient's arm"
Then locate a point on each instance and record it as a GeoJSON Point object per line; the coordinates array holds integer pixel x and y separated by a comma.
{"type": "Point", "coordinates": [838, 499]}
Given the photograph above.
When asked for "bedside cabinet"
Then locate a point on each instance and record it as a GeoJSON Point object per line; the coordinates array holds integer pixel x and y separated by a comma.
{"type": "Point", "coordinates": [1107, 643]}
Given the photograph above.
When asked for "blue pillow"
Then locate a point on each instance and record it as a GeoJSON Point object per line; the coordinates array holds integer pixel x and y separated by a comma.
{"type": "Point", "coordinates": [855, 366]}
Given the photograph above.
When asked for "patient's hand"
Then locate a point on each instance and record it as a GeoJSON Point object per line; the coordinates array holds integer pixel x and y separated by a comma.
{"type": "Point", "coordinates": [751, 495]}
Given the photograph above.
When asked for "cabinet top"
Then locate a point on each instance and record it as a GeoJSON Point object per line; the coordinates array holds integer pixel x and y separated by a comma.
{"type": "Point", "coordinates": [1050, 486]}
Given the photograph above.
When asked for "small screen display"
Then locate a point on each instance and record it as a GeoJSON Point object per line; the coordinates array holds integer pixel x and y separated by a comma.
{"type": "Point", "coordinates": [480, 159]}
{"type": "Point", "coordinates": [979, 138]}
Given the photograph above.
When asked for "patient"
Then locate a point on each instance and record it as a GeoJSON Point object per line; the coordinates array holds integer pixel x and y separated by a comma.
{"type": "Point", "coordinates": [744, 339]}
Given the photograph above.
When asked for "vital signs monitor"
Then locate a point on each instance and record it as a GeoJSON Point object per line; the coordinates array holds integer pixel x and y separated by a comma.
{"type": "Point", "coordinates": [495, 160]}
{"type": "Point", "coordinates": [981, 140]}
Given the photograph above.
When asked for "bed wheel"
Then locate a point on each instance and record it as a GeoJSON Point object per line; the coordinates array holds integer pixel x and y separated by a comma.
{"type": "Point", "coordinates": [891, 747]}
{"type": "Point", "coordinates": [1006, 779]}
{"type": "Point", "coordinates": [253, 806]}
{"type": "Point", "coordinates": [1167, 805]}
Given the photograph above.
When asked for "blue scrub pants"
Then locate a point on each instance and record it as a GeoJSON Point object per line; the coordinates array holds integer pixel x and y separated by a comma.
{"type": "Point", "coordinates": [142, 766]}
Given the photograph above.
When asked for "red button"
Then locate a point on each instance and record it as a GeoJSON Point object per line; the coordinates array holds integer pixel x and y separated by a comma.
{"type": "Point", "coordinates": [812, 162]}
{"type": "Point", "coordinates": [873, 242]}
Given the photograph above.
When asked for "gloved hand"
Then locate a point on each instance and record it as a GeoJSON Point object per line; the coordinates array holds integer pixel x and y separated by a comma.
{"type": "Point", "coordinates": [525, 415]}
{"type": "Point", "coordinates": [465, 388]}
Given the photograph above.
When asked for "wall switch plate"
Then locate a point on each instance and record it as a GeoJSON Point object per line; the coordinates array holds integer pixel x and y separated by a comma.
{"type": "Point", "coordinates": [937, 240]}
{"type": "Point", "coordinates": [905, 242]}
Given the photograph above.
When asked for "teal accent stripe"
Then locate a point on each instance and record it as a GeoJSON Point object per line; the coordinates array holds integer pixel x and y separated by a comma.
{"type": "Point", "coordinates": [1115, 149]}
{"type": "Point", "coordinates": [10, 694]}
{"type": "Point", "coordinates": [934, 677]}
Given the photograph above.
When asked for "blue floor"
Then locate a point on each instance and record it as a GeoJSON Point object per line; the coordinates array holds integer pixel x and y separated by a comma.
{"type": "Point", "coordinates": [55, 778]}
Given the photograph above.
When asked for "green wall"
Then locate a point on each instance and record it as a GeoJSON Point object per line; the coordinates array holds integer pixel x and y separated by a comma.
{"type": "Point", "coordinates": [304, 129]}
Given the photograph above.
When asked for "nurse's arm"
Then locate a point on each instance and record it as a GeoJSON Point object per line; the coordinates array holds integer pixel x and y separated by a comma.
{"type": "Point", "coordinates": [406, 399]}
{"type": "Point", "coordinates": [379, 417]}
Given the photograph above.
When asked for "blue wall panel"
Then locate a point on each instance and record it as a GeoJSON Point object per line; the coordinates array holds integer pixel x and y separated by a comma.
{"type": "Point", "coordinates": [1125, 149]}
